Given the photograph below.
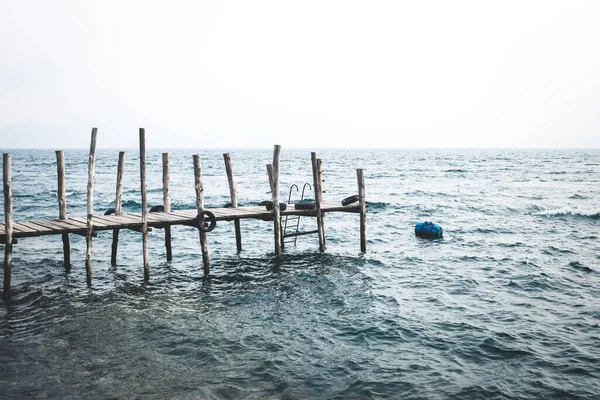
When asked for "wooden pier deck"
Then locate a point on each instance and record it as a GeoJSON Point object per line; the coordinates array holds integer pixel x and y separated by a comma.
{"type": "Point", "coordinates": [166, 218]}
{"type": "Point", "coordinates": [78, 225]}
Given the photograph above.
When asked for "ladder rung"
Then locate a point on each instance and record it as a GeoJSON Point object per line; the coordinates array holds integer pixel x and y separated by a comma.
{"type": "Point", "coordinates": [287, 235]}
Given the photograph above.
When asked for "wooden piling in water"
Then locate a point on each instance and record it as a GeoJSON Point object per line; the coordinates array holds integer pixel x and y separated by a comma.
{"type": "Point", "coordinates": [62, 205]}
{"type": "Point", "coordinates": [167, 202]}
{"type": "Point", "coordinates": [199, 188]}
{"type": "Point", "coordinates": [318, 197]}
{"type": "Point", "coordinates": [144, 190]}
{"type": "Point", "coordinates": [360, 177]}
{"type": "Point", "coordinates": [118, 205]}
{"type": "Point", "coordinates": [320, 194]}
{"type": "Point", "coordinates": [90, 208]}
{"type": "Point", "coordinates": [8, 225]}
{"type": "Point", "coordinates": [234, 204]}
{"type": "Point", "coordinates": [274, 180]}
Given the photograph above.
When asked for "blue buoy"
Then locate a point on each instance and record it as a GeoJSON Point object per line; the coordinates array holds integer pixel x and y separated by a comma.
{"type": "Point", "coordinates": [428, 230]}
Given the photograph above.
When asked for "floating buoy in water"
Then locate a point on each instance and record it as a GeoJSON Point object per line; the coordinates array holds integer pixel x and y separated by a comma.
{"type": "Point", "coordinates": [428, 230]}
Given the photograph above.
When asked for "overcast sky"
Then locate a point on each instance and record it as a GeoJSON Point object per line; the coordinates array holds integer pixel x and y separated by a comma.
{"type": "Point", "coordinates": [300, 73]}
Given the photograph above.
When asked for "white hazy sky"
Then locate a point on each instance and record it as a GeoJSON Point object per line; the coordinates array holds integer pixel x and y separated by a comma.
{"type": "Point", "coordinates": [300, 73]}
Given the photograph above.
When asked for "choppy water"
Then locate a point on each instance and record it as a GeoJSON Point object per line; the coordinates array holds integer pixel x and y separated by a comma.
{"type": "Point", "coordinates": [506, 306]}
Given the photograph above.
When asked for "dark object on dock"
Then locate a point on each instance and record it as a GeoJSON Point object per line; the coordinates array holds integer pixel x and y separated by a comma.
{"type": "Point", "coordinates": [307, 205]}
{"type": "Point", "coordinates": [349, 200]}
{"type": "Point", "coordinates": [265, 202]}
{"type": "Point", "coordinates": [158, 208]}
{"type": "Point", "coordinates": [428, 230]}
{"type": "Point", "coordinates": [228, 205]}
{"type": "Point", "coordinates": [206, 227]}
{"type": "Point", "coordinates": [269, 205]}
{"type": "Point", "coordinates": [110, 211]}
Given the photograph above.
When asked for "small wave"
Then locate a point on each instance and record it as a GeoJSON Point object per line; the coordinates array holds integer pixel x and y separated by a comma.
{"type": "Point", "coordinates": [457, 170]}
{"type": "Point", "coordinates": [578, 197]}
{"type": "Point", "coordinates": [557, 173]}
{"type": "Point", "coordinates": [579, 266]}
{"type": "Point", "coordinates": [569, 212]}
{"type": "Point", "coordinates": [377, 205]}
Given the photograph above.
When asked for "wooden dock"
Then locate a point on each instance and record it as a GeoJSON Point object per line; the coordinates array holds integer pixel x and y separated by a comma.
{"type": "Point", "coordinates": [133, 221]}
{"type": "Point", "coordinates": [204, 219]}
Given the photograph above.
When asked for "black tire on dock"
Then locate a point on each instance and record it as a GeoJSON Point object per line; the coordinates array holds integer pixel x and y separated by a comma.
{"type": "Point", "coordinates": [110, 211]}
{"type": "Point", "coordinates": [159, 208]}
{"type": "Point", "coordinates": [308, 205]}
{"type": "Point", "coordinates": [264, 203]}
{"type": "Point", "coordinates": [282, 206]}
{"type": "Point", "coordinates": [207, 227]}
{"type": "Point", "coordinates": [349, 200]}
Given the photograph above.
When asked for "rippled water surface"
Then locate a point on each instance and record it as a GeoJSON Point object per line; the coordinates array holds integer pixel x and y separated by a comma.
{"type": "Point", "coordinates": [505, 306]}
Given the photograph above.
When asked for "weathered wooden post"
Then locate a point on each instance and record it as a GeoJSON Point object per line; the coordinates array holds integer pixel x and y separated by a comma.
{"type": "Point", "coordinates": [90, 208]}
{"type": "Point", "coordinates": [118, 205]}
{"type": "Point", "coordinates": [62, 205]}
{"type": "Point", "coordinates": [199, 187]}
{"type": "Point", "coordinates": [8, 225]}
{"type": "Point", "coordinates": [273, 170]}
{"type": "Point", "coordinates": [234, 204]}
{"type": "Point", "coordinates": [167, 202]}
{"type": "Point", "coordinates": [360, 177]}
{"type": "Point", "coordinates": [318, 196]}
{"type": "Point", "coordinates": [144, 203]}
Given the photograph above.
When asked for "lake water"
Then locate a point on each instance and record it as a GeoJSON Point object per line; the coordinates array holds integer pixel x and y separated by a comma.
{"type": "Point", "coordinates": [505, 306]}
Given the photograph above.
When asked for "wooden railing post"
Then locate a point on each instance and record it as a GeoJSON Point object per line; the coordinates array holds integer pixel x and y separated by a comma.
{"type": "Point", "coordinates": [199, 187]}
{"type": "Point", "coordinates": [8, 225]}
{"type": "Point", "coordinates": [144, 190]}
{"type": "Point", "coordinates": [318, 196]}
{"type": "Point", "coordinates": [273, 171]}
{"type": "Point", "coordinates": [167, 202]}
{"type": "Point", "coordinates": [360, 177]}
{"type": "Point", "coordinates": [234, 203]}
{"type": "Point", "coordinates": [90, 208]}
{"type": "Point", "coordinates": [62, 205]}
{"type": "Point", "coordinates": [118, 205]}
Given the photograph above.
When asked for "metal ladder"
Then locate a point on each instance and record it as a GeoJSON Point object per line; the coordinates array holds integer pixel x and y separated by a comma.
{"type": "Point", "coordinates": [293, 237]}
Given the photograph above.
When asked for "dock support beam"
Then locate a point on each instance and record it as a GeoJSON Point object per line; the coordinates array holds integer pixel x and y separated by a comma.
{"type": "Point", "coordinates": [360, 178]}
{"type": "Point", "coordinates": [234, 204]}
{"type": "Point", "coordinates": [199, 187]}
{"type": "Point", "coordinates": [318, 198]}
{"type": "Point", "coordinates": [118, 205]}
{"type": "Point", "coordinates": [8, 225]}
{"type": "Point", "coordinates": [273, 171]}
{"type": "Point", "coordinates": [144, 203]}
{"type": "Point", "coordinates": [167, 202]}
{"type": "Point", "coordinates": [90, 208]}
{"type": "Point", "coordinates": [62, 206]}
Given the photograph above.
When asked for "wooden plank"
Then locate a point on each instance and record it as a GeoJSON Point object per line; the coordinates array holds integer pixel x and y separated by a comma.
{"type": "Point", "coordinates": [38, 228]}
{"type": "Point", "coordinates": [162, 217]}
{"type": "Point", "coordinates": [144, 190]}
{"type": "Point", "coordinates": [360, 178]}
{"type": "Point", "coordinates": [8, 224]}
{"type": "Point", "coordinates": [234, 203]}
{"type": "Point", "coordinates": [199, 188]}
{"type": "Point", "coordinates": [78, 224]}
{"type": "Point", "coordinates": [18, 228]}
